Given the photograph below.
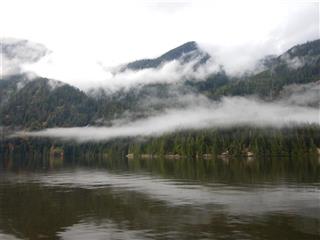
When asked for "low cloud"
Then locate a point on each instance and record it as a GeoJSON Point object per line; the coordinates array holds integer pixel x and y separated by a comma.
{"type": "Point", "coordinates": [97, 76]}
{"type": "Point", "coordinates": [170, 72]}
{"type": "Point", "coordinates": [235, 60]}
{"type": "Point", "coordinates": [230, 111]}
{"type": "Point", "coordinates": [302, 94]}
{"type": "Point", "coordinates": [242, 31]}
{"type": "Point", "coordinates": [16, 53]}
{"type": "Point", "coordinates": [21, 56]}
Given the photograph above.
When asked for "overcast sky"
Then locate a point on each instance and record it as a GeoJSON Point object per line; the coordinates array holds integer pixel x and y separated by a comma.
{"type": "Point", "coordinates": [85, 34]}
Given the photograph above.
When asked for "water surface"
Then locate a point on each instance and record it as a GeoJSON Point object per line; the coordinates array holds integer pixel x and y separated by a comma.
{"type": "Point", "coordinates": [160, 199]}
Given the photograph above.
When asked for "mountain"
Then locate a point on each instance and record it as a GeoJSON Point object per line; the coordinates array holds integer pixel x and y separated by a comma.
{"type": "Point", "coordinates": [298, 65]}
{"type": "Point", "coordinates": [41, 102]}
{"type": "Point", "coordinates": [35, 103]}
{"type": "Point", "coordinates": [185, 53]}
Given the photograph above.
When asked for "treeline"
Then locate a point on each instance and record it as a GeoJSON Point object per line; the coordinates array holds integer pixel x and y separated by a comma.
{"type": "Point", "coordinates": [236, 141]}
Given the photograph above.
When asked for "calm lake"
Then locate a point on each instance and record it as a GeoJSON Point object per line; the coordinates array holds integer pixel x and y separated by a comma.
{"type": "Point", "coordinates": [160, 199]}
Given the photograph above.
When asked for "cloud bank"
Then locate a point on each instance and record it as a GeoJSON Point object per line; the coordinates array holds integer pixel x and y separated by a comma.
{"type": "Point", "coordinates": [231, 111]}
{"type": "Point", "coordinates": [302, 94]}
{"type": "Point", "coordinates": [236, 34]}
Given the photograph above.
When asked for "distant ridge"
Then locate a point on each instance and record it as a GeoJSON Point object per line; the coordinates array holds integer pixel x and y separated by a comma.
{"type": "Point", "coordinates": [186, 52]}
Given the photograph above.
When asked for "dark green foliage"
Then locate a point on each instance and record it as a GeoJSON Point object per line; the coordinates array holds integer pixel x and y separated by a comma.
{"type": "Point", "coordinates": [214, 81]}
{"type": "Point", "coordinates": [269, 83]}
{"type": "Point", "coordinates": [279, 73]}
{"type": "Point", "coordinates": [36, 106]}
{"type": "Point", "coordinates": [9, 87]}
{"type": "Point", "coordinates": [266, 142]}
{"type": "Point", "coordinates": [311, 48]}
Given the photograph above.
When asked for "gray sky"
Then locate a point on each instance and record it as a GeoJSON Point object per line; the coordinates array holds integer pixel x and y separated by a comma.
{"type": "Point", "coordinates": [84, 35]}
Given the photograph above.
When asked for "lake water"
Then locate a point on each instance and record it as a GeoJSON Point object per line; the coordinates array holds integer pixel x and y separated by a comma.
{"type": "Point", "coordinates": [160, 199]}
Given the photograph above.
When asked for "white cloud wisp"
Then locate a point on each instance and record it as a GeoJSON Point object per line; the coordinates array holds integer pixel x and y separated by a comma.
{"type": "Point", "coordinates": [231, 111]}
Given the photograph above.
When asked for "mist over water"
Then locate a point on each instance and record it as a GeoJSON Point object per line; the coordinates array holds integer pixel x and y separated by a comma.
{"type": "Point", "coordinates": [162, 120]}
{"type": "Point", "coordinates": [231, 111]}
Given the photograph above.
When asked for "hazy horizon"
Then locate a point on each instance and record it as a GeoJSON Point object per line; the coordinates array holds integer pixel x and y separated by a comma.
{"type": "Point", "coordinates": [85, 50]}
{"type": "Point", "coordinates": [80, 50]}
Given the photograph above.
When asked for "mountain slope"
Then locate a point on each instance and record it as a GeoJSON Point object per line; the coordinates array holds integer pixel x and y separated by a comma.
{"type": "Point", "coordinates": [42, 102]}
{"type": "Point", "coordinates": [185, 53]}
{"type": "Point", "coordinates": [298, 65]}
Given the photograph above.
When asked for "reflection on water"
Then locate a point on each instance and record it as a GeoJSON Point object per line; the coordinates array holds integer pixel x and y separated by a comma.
{"type": "Point", "coordinates": [160, 199]}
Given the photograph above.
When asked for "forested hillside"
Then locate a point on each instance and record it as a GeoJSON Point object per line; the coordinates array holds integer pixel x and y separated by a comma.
{"type": "Point", "coordinates": [35, 103]}
{"type": "Point", "coordinates": [42, 103]}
